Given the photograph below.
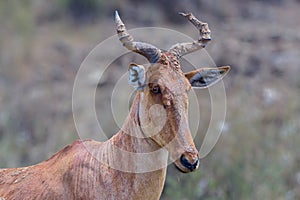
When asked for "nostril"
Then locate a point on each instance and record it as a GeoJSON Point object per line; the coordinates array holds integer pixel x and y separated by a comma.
{"type": "Point", "coordinates": [186, 163]}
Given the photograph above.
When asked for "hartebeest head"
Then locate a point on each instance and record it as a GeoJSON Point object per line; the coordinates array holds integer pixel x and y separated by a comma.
{"type": "Point", "coordinates": [163, 108]}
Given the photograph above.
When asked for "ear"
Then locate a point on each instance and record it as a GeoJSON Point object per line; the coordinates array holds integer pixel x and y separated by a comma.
{"type": "Point", "coordinates": [136, 76]}
{"type": "Point", "coordinates": [205, 77]}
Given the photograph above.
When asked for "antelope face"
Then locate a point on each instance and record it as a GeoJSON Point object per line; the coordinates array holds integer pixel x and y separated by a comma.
{"type": "Point", "coordinates": [163, 110]}
{"type": "Point", "coordinates": [164, 91]}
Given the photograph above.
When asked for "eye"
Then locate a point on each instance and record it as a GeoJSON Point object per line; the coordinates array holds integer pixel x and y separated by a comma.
{"type": "Point", "coordinates": [155, 89]}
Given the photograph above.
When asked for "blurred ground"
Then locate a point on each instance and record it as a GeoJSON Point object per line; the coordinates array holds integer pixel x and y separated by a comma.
{"type": "Point", "coordinates": [43, 43]}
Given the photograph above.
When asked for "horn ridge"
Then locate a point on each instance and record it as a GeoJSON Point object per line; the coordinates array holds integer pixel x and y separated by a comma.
{"type": "Point", "coordinates": [181, 49]}
{"type": "Point", "coordinates": [149, 51]}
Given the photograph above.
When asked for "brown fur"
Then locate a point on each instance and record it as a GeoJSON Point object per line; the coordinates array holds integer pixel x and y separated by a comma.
{"type": "Point", "coordinates": [76, 172]}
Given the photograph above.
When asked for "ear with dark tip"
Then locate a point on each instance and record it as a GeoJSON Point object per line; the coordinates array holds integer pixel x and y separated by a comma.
{"type": "Point", "coordinates": [136, 77]}
{"type": "Point", "coordinates": [205, 77]}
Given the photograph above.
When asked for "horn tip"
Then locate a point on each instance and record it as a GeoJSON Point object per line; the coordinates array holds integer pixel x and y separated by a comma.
{"type": "Point", "coordinates": [182, 14]}
{"type": "Point", "coordinates": [117, 16]}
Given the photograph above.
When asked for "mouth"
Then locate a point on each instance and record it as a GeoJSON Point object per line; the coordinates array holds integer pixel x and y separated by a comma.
{"type": "Point", "coordinates": [182, 169]}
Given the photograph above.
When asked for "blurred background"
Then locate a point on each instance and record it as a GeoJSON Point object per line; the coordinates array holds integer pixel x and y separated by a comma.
{"type": "Point", "coordinates": [43, 43]}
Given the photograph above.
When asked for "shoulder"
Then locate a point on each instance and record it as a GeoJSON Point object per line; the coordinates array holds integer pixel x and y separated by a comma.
{"type": "Point", "coordinates": [71, 150]}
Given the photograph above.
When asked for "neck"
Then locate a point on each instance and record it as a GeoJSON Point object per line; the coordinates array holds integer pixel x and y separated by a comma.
{"type": "Point", "coordinates": [133, 151]}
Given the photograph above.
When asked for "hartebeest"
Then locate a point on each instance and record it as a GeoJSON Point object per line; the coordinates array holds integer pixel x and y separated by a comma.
{"type": "Point", "coordinates": [78, 170]}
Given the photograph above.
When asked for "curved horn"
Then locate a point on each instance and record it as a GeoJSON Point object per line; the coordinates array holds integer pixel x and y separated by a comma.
{"type": "Point", "coordinates": [181, 49]}
{"type": "Point", "coordinates": [149, 51]}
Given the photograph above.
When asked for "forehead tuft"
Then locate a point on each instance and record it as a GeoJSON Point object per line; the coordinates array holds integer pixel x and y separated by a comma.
{"type": "Point", "coordinates": [169, 60]}
{"type": "Point", "coordinates": [168, 74]}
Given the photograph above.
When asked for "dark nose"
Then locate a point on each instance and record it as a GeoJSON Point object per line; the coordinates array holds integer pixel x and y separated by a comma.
{"type": "Point", "coordinates": [186, 163]}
